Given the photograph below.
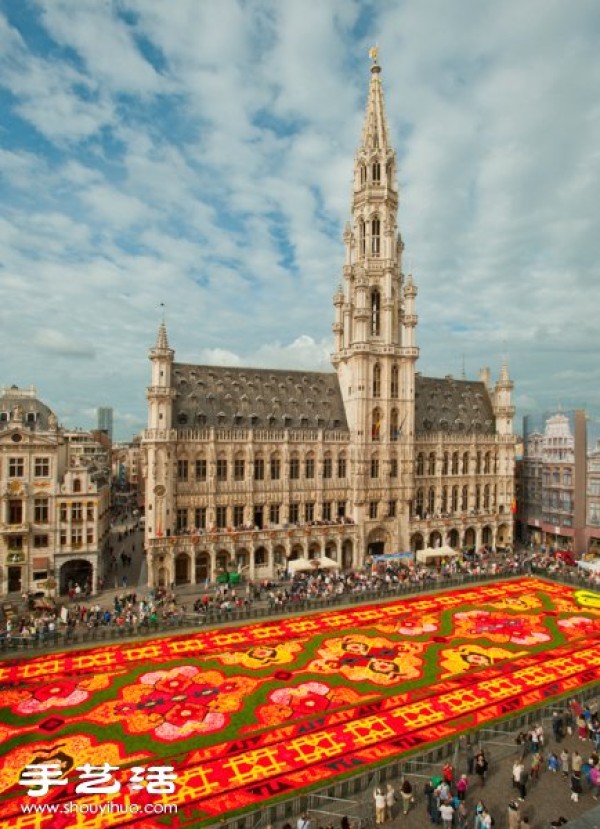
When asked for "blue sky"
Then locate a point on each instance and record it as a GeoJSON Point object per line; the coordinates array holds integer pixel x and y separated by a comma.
{"type": "Point", "coordinates": [199, 154]}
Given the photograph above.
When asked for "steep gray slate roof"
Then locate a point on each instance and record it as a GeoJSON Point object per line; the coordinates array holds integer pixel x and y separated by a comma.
{"type": "Point", "coordinates": [448, 405]}
{"type": "Point", "coordinates": [256, 398]}
{"type": "Point", "coordinates": [35, 414]}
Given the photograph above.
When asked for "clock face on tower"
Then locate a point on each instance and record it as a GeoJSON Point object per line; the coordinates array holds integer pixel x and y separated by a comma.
{"type": "Point", "coordinates": [159, 490]}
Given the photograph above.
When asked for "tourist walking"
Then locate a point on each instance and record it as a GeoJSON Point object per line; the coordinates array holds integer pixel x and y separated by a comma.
{"type": "Point", "coordinates": [406, 793]}
{"type": "Point", "coordinates": [564, 762]}
{"type": "Point", "coordinates": [514, 815]}
{"type": "Point", "coordinates": [481, 766]}
{"type": "Point", "coordinates": [379, 797]}
{"type": "Point", "coordinates": [576, 787]}
{"type": "Point", "coordinates": [390, 799]}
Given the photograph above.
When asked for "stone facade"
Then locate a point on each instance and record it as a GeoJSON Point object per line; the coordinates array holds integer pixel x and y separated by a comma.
{"type": "Point", "coordinates": [248, 468]}
{"type": "Point", "coordinates": [55, 506]}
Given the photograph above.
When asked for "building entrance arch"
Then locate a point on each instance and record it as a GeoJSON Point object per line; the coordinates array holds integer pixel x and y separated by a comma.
{"type": "Point", "coordinates": [203, 569]}
{"type": "Point", "coordinates": [182, 568]}
{"type": "Point", "coordinates": [76, 571]}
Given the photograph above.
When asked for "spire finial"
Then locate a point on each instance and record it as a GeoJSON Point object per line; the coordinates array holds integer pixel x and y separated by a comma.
{"type": "Point", "coordinates": [373, 54]}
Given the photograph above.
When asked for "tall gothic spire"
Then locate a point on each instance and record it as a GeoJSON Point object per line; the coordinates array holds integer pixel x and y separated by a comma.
{"type": "Point", "coordinates": [162, 341]}
{"type": "Point", "coordinates": [375, 128]}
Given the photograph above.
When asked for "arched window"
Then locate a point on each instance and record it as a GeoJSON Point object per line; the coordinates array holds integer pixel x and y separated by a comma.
{"type": "Point", "coordinates": [419, 503]}
{"type": "Point", "coordinates": [395, 384]}
{"type": "Point", "coordinates": [376, 380]}
{"type": "Point", "coordinates": [374, 467]}
{"type": "Point", "coordinates": [487, 465]}
{"type": "Point", "coordinates": [394, 426]}
{"type": "Point", "coordinates": [454, 499]}
{"type": "Point", "coordinates": [486, 496]}
{"type": "Point", "coordinates": [76, 485]}
{"type": "Point", "coordinates": [363, 174]}
{"type": "Point", "coordinates": [446, 465]}
{"type": "Point", "coordinates": [465, 464]}
{"type": "Point", "coordinates": [376, 425]}
{"type": "Point", "coordinates": [478, 497]}
{"type": "Point", "coordinates": [455, 463]}
{"type": "Point", "coordinates": [444, 499]}
{"type": "Point", "coordinates": [361, 237]}
{"type": "Point", "coordinates": [464, 505]}
{"type": "Point", "coordinates": [375, 236]}
{"type": "Point", "coordinates": [375, 313]}
{"type": "Point", "coordinates": [376, 172]}
{"type": "Point", "coordinates": [478, 464]}
{"type": "Point", "coordinates": [432, 463]}
{"type": "Point", "coordinates": [420, 464]}
{"type": "Point", "coordinates": [431, 500]}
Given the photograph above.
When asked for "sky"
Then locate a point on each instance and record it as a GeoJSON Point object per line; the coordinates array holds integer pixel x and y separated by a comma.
{"type": "Point", "coordinates": [194, 158]}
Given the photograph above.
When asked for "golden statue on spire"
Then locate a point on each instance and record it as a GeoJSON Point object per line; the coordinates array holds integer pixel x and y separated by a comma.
{"type": "Point", "coordinates": [373, 53]}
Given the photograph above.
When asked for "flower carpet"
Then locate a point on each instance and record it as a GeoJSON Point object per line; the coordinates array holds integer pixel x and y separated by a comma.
{"type": "Point", "coordinates": [224, 720]}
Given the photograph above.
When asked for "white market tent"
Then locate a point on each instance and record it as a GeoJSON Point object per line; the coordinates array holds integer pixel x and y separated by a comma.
{"type": "Point", "coordinates": [326, 563]}
{"type": "Point", "coordinates": [298, 564]}
{"type": "Point", "coordinates": [430, 553]}
{"type": "Point", "coordinates": [592, 566]}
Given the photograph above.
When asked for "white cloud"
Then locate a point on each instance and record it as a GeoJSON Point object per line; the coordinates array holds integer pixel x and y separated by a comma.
{"type": "Point", "coordinates": [200, 155]}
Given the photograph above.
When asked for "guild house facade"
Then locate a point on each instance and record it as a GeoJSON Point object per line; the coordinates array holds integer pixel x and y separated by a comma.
{"type": "Point", "coordinates": [246, 469]}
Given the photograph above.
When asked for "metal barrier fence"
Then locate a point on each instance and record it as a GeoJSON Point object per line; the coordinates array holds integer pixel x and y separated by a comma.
{"type": "Point", "coordinates": [102, 633]}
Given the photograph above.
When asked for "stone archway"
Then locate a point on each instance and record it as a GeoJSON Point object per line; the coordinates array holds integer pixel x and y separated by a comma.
{"type": "Point", "coordinates": [331, 550]}
{"type": "Point", "coordinates": [454, 539]}
{"type": "Point", "coordinates": [162, 577]}
{"type": "Point", "coordinates": [314, 550]}
{"type": "Point", "coordinates": [377, 540]}
{"type": "Point", "coordinates": [297, 552]}
{"type": "Point", "coordinates": [417, 542]}
{"type": "Point", "coordinates": [223, 560]}
{"type": "Point", "coordinates": [347, 554]}
{"type": "Point", "coordinates": [470, 538]}
{"type": "Point", "coordinates": [503, 536]}
{"type": "Point", "coordinates": [182, 568]}
{"type": "Point", "coordinates": [242, 560]}
{"type": "Point", "coordinates": [279, 555]}
{"type": "Point", "coordinates": [435, 539]}
{"type": "Point", "coordinates": [203, 567]}
{"type": "Point", "coordinates": [487, 536]}
{"type": "Point", "coordinates": [75, 571]}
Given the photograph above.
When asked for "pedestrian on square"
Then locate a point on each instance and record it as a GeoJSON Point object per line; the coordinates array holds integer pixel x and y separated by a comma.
{"type": "Point", "coordinates": [462, 815]}
{"type": "Point", "coordinates": [390, 799]}
{"type": "Point", "coordinates": [479, 811]}
{"type": "Point", "coordinates": [553, 763]}
{"type": "Point", "coordinates": [516, 773]}
{"type": "Point", "coordinates": [406, 793]}
{"type": "Point", "coordinates": [481, 766]}
{"type": "Point", "coordinates": [536, 765]}
{"type": "Point", "coordinates": [564, 762]}
{"type": "Point", "coordinates": [557, 726]}
{"type": "Point", "coordinates": [576, 787]}
{"type": "Point", "coordinates": [576, 761]}
{"type": "Point", "coordinates": [379, 797]}
{"type": "Point", "coordinates": [447, 813]}
{"type": "Point", "coordinates": [462, 786]}
{"type": "Point", "coordinates": [523, 783]}
{"type": "Point", "coordinates": [514, 815]}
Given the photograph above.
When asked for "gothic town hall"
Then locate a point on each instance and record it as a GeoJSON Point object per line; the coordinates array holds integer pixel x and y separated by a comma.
{"type": "Point", "coordinates": [246, 469]}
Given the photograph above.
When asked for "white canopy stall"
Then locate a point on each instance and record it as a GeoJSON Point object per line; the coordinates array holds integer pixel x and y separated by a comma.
{"type": "Point", "coordinates": [592, 566]}
{"type": "Point", "coordinates": [429, 554]}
